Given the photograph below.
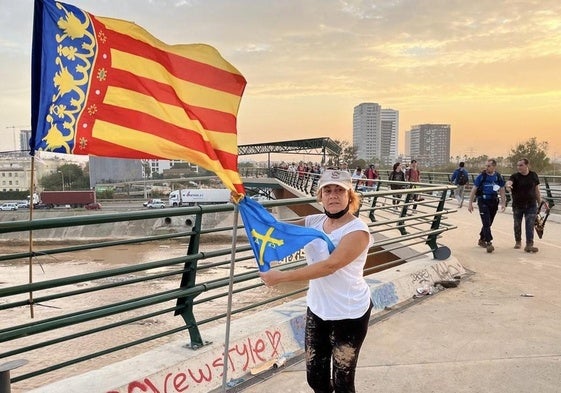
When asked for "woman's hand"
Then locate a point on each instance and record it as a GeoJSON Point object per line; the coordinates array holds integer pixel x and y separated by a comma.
{"type": "Point", "coordinates": [271, 277]}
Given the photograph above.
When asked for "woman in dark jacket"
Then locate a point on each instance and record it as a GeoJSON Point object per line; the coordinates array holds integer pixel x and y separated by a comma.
{"type": "Point", "coordinates": [397, 175]}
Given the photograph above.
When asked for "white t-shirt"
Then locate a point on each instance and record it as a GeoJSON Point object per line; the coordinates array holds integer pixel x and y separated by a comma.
{"type": "Point", "coordinates": [343, 294]}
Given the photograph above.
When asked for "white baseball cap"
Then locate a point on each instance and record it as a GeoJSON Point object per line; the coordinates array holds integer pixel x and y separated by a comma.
{"type": "Point", "coordinates": [335, 177]}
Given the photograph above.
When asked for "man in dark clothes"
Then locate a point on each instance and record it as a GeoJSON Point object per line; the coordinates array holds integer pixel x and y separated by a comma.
{"type": "Point", "coordinates": [524, 187]}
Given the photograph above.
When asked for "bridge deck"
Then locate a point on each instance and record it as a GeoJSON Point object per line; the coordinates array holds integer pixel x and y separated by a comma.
{"type": "Point", "coordinates": [482, 336]}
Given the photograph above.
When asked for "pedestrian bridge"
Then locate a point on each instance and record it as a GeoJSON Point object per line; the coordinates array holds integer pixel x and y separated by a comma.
{"type": "Point", "coordinates": [107, 324]}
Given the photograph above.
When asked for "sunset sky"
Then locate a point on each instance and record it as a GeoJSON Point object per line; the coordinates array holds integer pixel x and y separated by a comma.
{"type": "Point", "coordinates": [491, 69]}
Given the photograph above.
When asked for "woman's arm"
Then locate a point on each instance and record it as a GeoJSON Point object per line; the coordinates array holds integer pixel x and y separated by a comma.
{"type": "Point", "coordinates": [350, 247]}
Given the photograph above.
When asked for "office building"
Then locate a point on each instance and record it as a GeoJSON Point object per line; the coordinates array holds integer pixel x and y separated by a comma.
{"type": "Point", "coordinates": [389, 131]}
{"type": "Point", "coordinates": [24, 137]}
{"type": "Point", "coordinates": [375, 132]}
{"type": "Point", "coordinates": [429, 144]}
{"type": "Point", "coordinates": [112, 170]}
{"type": "Point", "coordinates": [161, 167]}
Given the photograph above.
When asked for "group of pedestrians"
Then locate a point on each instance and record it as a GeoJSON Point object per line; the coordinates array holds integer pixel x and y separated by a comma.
{"type": "Point", "coordinates": [489, 192]}
{"type": "Point", "coordinates": [411, 174]}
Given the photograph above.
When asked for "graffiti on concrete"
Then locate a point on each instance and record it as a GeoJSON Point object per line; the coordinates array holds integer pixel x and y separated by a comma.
{"type": "Point", "coordinates": [384, 295]}
{"type": "Point", "coordinates": [436, 272]}
{"type": "Point", "coordinates": [446, 271]}
{"type": "Point", "coordinates": [298, 326]}
{"type": "Point", "coordinates": [241, 357]}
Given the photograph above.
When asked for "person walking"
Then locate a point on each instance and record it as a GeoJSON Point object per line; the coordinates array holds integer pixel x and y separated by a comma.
{"type": "Point", "coordinates": [371, 174]}
{"type": "Point", "coordinates": [524, 187]}
{"type": "Point", "coordinates": [397, 174]}
{"type": "Point", "coordinates": [413, 175]}
{"type": "Point", "coordinates": [488, 186]}
{"type": "Point", "coordinates": [338, 298]}
{"type": "Point", "coordinates": [460, 177]}
{"type": "Point", "coordinates": [358, 178]}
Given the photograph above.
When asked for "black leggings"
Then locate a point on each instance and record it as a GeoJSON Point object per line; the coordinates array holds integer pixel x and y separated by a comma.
{"type": "Point", "coordinates": [337, 341]}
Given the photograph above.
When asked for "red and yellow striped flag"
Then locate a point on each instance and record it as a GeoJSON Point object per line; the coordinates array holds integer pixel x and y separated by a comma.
{"type": "Point", "coordinates": [106, 87]}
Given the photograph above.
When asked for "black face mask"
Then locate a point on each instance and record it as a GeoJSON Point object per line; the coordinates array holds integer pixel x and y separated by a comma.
{"type": "Point", "coordinates": [338, 214]}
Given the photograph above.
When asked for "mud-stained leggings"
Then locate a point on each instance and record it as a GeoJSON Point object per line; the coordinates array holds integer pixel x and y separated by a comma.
{"type": "Point", "coordinates": [339, 341]}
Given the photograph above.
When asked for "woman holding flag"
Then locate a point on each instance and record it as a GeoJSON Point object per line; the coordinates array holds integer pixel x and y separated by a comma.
{"type": "Point", "coordinates": [338, 298]}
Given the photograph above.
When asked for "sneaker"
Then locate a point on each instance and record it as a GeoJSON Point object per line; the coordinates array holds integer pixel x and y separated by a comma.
{"type": "Point", "coordinates": [482, 243]}
{"type": "Point", "coordinates": [518, 245]}
{"type": "Point", "coordinates": [530, 248]}
{"type": "Point", "coordinates": [490, 247]}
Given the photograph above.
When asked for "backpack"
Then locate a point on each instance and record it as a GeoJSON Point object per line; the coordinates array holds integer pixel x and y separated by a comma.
{"type": "Point", "coordinates": [462, 177]}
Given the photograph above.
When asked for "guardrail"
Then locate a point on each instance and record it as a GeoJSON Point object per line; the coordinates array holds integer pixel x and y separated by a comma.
{"type": "Point", "coordinates": [107, 311]}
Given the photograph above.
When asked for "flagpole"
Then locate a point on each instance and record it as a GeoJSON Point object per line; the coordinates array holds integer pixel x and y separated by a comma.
{"type": "Point", "coordinates": [230, 292]}
{"type": "Point", "coordinates": [31, 193]}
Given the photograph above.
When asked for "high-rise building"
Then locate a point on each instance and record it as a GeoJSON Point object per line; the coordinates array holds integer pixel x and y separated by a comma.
{"type": "Point", "coordinates": [111, 170]}
{"type": "Point", "coordinates": [161, 166]}
{"type": "Point", "coordinates": [429, 144]}
{"type": "Point", "coordinates": [389, 131]}
{"type": "Point", "coordinates": [375, 132]}
{"type": "Point", "coordinates": [24, 137]}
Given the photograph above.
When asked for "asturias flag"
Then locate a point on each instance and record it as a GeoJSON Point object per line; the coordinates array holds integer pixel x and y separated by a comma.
{"type": "Point", "coordinates": [272, 240]}
{"type": "Point", "coordinates": [106, 87]}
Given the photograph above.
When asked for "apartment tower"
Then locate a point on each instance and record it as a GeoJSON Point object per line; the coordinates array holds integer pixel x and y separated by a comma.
{"type": "Point", "coordinates": [429, 144]}
{"type": "Point", "coordinates": [375, 132]}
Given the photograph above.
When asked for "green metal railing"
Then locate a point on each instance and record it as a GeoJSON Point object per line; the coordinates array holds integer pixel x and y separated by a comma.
{"type": "Point", "coordinates": [65, 313]}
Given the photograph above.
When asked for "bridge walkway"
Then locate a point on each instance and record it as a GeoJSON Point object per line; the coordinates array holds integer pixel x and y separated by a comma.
{"type": "Point", "coordinates": [498, 331]}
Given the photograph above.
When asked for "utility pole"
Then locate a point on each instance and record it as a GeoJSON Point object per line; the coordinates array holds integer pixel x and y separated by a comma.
{"type": "Point", "coordinates": [62, 174]}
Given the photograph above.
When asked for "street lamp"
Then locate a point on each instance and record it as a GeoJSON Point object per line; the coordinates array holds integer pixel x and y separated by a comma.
{"type": "Point", "coordinates": [62, 174]}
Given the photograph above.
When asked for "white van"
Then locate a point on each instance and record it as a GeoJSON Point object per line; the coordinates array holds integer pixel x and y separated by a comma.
{"type": "Point", "coordinates": [9, 206]}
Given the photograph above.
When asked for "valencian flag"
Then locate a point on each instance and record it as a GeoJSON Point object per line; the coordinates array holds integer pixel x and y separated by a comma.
{"type": "Point", "coordinates": [106, 87]}
{"type": "Point", "coordinates": [272, 240]}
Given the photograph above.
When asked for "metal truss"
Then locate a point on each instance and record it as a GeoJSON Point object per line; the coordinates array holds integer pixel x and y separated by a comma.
{"type": "Point", "coordinates": [314, 146]}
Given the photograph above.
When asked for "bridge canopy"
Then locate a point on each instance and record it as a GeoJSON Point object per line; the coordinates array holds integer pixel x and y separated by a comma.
{"type": "Point", "coordinates": [315, 146]}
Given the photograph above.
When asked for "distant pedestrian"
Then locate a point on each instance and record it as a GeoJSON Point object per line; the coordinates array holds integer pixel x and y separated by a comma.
{"type": "Point", "coordinates": [524, 187]}
{"type": "Point", "coordinates": [413, 175]}
{"type": "Point", "coordinates": [358, 179]}
{"type": "Point", "coordinates": [371, 174]}
{"type": "Point", "coordinates": [460, 177]}
{"type": "Point", "coordinates": [488, 186]}
{"type": "Point", "coordinates": [397, 174]}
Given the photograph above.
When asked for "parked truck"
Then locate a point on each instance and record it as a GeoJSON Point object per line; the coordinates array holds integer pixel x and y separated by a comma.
{"type": "Point", "coordinates": [198, 196]}
{"type": "Point", "coordinates": [52, 199]}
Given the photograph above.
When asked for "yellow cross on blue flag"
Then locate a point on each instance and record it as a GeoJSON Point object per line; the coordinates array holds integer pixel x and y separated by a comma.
{"type": "Point", "coordinates": [272, 240]}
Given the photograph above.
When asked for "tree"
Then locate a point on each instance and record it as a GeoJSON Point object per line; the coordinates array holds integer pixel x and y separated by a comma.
{"type": "Point", "coordinates": [534, 151]}
{"type": "Point", "coordinates": [73, 175]}
{"type": "Point", "coordinates": [337, 160]}
{"type": "Point", "coordinates": [350, 155]}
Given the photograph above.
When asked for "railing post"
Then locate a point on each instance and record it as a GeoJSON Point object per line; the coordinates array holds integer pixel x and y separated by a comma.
{"type": "Point", "coordinates": [185, 304]}
{"type": "Point", "coordinates": [549, 198]}
{"type": "Point", "coordinates": [305, 187]}
{"type": "Point", "coordinates": [376, 187]}
{"type": "Point", "coordinates": [401, 224]}
{"type": "Point", "coordinates": [313, 186]}
{"type": "Point", "coordinates": [5, 385]}
{"type": "Point", "coordinates": [431, 239]}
